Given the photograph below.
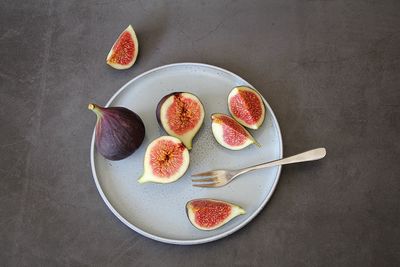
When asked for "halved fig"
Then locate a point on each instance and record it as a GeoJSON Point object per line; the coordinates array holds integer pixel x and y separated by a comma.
{"type": "Point", "coordinates": [124, 52]}
{"type": "Point", "coordinates": [165, 161]}
{"type": "Point", "coordinates": [246, 106]}
{"type": "Point", "coordinates": [209, 214]}
{"type": "Point", "coordinates": [229, 133]}
{"type": "Point", "coordinates": [180, 115]}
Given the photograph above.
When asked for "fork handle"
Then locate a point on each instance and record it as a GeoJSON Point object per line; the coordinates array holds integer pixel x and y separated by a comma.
{"type": "Point", "coordinates": [310, 155]}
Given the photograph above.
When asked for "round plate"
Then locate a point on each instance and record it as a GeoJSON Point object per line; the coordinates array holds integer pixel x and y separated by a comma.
{"type": "Point", "coordinates": [157, 211]}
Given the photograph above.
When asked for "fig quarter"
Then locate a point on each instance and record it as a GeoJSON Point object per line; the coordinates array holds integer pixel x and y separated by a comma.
{"type": "Point", "coordinates": [210, 214]}
{"type": "Point", "coordinates": [246, 106]}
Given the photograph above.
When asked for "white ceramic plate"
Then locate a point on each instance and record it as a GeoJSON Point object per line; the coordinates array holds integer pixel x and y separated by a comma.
{"type": "Point", "coordinates": [157, 211]}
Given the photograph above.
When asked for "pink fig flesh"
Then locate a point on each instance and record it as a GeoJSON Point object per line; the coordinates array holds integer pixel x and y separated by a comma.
{"type": "Point", "coordinates": [165, 161]}
{"type": "Point", "coordinates": [246, 106]}
{"type": "Point", "coordinates": [124, 52]}
{"type": "Point", "coordinates": [181, 115]}
{"type": "Point", "coordinates": [229, 133]}
{"type": "Point", "coordinates": [166, 158]}
{"type": "Point", "coordinates": [210, 214]}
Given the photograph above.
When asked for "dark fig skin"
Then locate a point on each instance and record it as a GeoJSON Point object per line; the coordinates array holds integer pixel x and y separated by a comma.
{"type": "Point", "coordinates": [159, 105]}
{"type": "Point", "coordinates": [119, 131]}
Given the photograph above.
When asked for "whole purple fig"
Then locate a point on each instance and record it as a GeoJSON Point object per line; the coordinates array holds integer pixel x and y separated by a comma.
{"type": "Point", "coordinates": [119, 131]}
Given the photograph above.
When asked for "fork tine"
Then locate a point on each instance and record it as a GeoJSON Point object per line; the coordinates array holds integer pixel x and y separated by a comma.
{"type": "Point", "coordinates": [211, 179]}
{"type": "Point", "coordinates": [206, 185]}
{"type": "Point", "coordinates": [210, 173]}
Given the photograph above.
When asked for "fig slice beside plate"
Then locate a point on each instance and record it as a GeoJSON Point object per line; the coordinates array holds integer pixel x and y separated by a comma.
{"type": "Point", "coordinates": [181, 115]}
{"type": "Point", "coordinates": [124, 52]}
{"type": "Point", "coordinates": [165, 161]}
{"type": "Point", "coordinates": [209, 214]}
{"type": "Point", "coordinates": [246, 106]}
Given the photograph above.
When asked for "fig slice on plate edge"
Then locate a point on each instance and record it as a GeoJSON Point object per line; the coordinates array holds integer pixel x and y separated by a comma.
{"type": "Point", "coordinates": [229, 133]}
{"type": "Point", "coordinates": [181, 115]}
{"type": "Point", "coordinates": [209, 214]}
{"type": "Point", "coordinates": [124, 51]}
{"type": "Point", "coordinates": [165, 161]}
{"type": "Point", "coordinates": [118, 132]}
{"type": "Point", "coordinates": [246, 106]}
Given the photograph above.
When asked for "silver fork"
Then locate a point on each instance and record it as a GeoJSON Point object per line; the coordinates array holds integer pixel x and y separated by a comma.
{"type": "Point", "coordinates": [218, 178]}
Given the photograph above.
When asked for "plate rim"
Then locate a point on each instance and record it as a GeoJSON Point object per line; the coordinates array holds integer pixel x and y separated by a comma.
{"type": "Point", "coordinates": [183, 241]}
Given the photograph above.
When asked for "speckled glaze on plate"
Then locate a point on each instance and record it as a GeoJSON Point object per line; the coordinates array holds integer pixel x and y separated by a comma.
{"type": "Point", "coordinates": [157, 211]}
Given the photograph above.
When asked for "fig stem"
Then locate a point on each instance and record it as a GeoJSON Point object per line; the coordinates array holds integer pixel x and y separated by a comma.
{"type": "Point", "coordinates": [256, 143]}
{"type": "Point", "coordinates": [91, 106]}
{"type": "Point", "coordinates": [95, 108]}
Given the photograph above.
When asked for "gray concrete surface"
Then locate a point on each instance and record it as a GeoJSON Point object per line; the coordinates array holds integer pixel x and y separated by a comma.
{"type": "Point", "coordinates": [329, 69]}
